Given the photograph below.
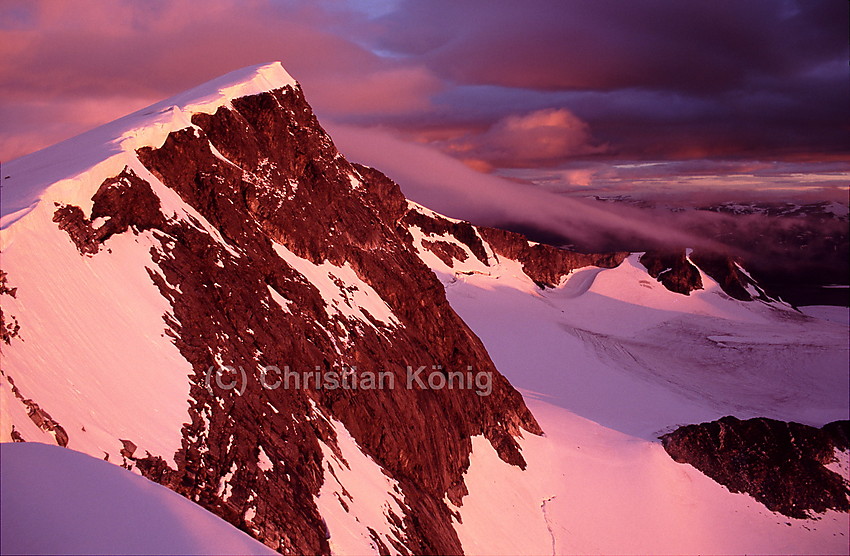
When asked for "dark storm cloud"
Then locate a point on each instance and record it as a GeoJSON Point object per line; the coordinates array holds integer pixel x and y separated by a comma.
{"type": "Point", "coordinates": [696, 46]}
{"type": "Point", "coordinates": [651, 79]}
{"type": "Point", "coordinates": [493, 111]}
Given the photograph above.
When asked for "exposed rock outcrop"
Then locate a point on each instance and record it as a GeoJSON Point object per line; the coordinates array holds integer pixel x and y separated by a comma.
{"type": "Point", "coordinates": [780, 464]}
{"type": "Point", "coordinates": [9, 327]}
{"type": "Point", "coordinates": [673, 270]}
{"type": "Point", "coordinates": [728, 274]}
{"type": "Point", "coordinates": [464, 232]}
{"type": "Point", "coordinates": [679, 273]}
{"type": "Point", "coordinates": [39, 416]}
{"type": "Point", "coordinates": [545, 264]}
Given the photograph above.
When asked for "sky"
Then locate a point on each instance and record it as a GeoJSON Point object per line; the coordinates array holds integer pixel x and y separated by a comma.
{"type": "Point", "coordinates": [712, 98]}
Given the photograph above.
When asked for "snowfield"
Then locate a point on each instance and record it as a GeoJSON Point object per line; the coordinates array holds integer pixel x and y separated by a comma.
{"type": "Point", "coordinates": [617, 347]}
{"type": "Point", "coordinates": [589, 489]}
{"type": "Point", "coordinates": [93, 351]}
{"type": "Point", "coordinates": [607, 362]}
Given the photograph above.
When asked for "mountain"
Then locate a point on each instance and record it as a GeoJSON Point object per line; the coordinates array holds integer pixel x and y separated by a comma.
{"type": "Point", "coordinates": [207, 293]}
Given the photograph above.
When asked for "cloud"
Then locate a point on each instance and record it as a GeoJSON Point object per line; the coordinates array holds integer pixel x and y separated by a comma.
{"type": "Point", "coordinates": [539, 138]}
{"type": "Point", "coordinates": [446, 185]}
{"type": "Point", "coordinates": [691, 183]}
{"type": "Point", "coordinates": [770, 246]}
{"type": "Point", "coordinates": [652, 79]}
{"type": "Point", "coordinates": [497, 112]}
{"type": "Point", "coordinates": [700, 46]}
{"type": "Point", "coordinates": [32, 125]}
{"type": "Point", "coordinates": [386, 92]}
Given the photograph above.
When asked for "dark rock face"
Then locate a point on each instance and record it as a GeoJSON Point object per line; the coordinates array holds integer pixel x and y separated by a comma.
{"type": "Point", "coordinates": [9, 327]}
{"type": "Point", "coordinates": [779, 464]}
{"type": "Point", "coordinates": [275, 176]}
{"type": "Point", "coordinates": [463, 231]}
{"type": "Point", "coordinates": [40, 417]}
{"type": "Point", "coordinates": [73, 221]}
{"type": "Point", "coordinates": [125, 200]}
{"type": "Point", "coordinates": [122, 201]}
{"type": "Point", "coordinates": [673, 270]}
{"type": "Point", "coordinates": [447, 252]}
{"type": "Point", "coordinates": [545, 264]}
{"type": "Point", "coordinates": [678, 274]}
{"type": "Point", "coordinates": [16, 436]}
{"type": "Point", "coordinates": [723, 269]}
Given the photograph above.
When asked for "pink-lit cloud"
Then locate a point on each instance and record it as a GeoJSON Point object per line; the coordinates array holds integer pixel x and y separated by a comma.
{"type": "Point", "coordinates": [538, 138]}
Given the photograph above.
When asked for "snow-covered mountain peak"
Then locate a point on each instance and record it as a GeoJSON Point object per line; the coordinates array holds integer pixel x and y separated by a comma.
{"type": "Point", "coordinates": [149, 126]}
{"type": "Point", "coordinates": [89, 158]}
{"type": "Point", "coordinates": [210, 233]}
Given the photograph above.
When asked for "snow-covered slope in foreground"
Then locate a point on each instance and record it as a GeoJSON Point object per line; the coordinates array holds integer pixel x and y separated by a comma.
{"type": "Point", "coordinates": [608, 361]}
{"type": "Point", "coordinates": [58, 501]}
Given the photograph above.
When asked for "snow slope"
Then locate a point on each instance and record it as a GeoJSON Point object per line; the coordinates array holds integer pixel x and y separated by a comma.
{"type": "Point", "coordinates": [99, 332]}
{"type": "Point", "coordinates": [607, 362]}
{"type": "Point", "coordinates": [832, 313]}
{"type": "Point", "coordinates": [591, 490]}
{"type": "Point", "coordinates": [94, 339]}
{"type": "Point", "coordinates": [358, 499]}
{"type": "Point", "coordinates": [617, 347]}
{"type": "Point", "coordinates": [58, 501]}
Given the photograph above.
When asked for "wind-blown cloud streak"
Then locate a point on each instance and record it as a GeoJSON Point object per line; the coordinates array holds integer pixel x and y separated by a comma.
{"type": "Point", "coordinates": [431, 178]}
